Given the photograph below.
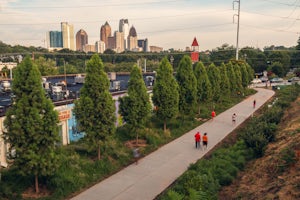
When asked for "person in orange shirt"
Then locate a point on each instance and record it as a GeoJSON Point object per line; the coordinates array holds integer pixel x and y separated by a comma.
{"type": "Point", "coordinates": [204, 140]}
{"type": "Point", "coordinates": [197, 139]}
{"type": "Point", "coordinates": [213, 114]}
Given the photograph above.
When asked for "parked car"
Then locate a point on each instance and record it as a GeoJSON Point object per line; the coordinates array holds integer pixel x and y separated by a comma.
{"type": "Point", "coordinates": [256, 80]}
{"type": "Point", "coordinates": [264, 79]}
{"type": "Point", "coordinates": [294, 79]}
{"type": "Point", "coordinates": [276, 80]}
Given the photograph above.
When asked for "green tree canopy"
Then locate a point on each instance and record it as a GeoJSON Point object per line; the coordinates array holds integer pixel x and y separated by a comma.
{"type": "Point", "coordinates": [245, 76]}
{"type": "Point", "coordinates": [165, 92]}
{"type": "Point", "coordinates": [136, 108]}
{"type": "Point", "coordinates": [31, 124]}
{"type": "Point", "coordinates": [46, 67]}
{"type": "Point", "coordinates": [277, 69]}
{"type": "Point", "coordinates": [95, 110]}
{"type": "Point", "coordinates": [187, 85]}
{"type": "Point", "coordinates": [215, 80]}
{"type": "Point", "coordinates": [204, 89]}
{"type": "Point", "coordinates": [224, 84]}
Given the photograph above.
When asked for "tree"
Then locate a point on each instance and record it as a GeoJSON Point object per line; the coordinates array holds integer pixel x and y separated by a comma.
{"type": "Point", "coordinates": [165, 92]}
{"type": "Point", "coordinates": [222, 54]}
{"type": "Point", "coordinates": [295, 60]}
{"type": "Point", "coordinates": [250, 73]}
{"type": "Point", "coordinates": [31, 124]}
{"type": "Point", "coordinates": [224, 84]}
{"type": "Point", "coordinates": [95, 110]}
{"type": "Point", "coordinates": [282, 57]}
{"type": "Point", "coordinates": [238, 75]}
{"type": "Point", "coordinates": [215, 80]}
{"type": "Point", "coordinates": [277, 68]}
{"type": "Point", "coordinates": [245, 76]}
{"type": "Point", "coordinates": [187, 85]}
{"type": "Point", "coordinates": [136, 108]}
{"type": "Point", "coordinates": [204, 90]}
{"type": "Point", "coordinates": [46, 67]}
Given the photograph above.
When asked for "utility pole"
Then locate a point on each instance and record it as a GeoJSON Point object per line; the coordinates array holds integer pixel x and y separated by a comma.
{"type": "Point", "coordinates": [238, 28]}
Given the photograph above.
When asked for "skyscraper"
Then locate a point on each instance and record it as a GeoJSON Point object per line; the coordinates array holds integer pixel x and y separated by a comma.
{"type": "Point", "coordinates": [132, 39]}
{"type": "Point", "coordinates": [68, 35]}
{"type": "Point", "coordinates": [119, 38]}
{"type": "Point", "coordinates": [54, 40]}
{"type": "Point", "coordinates": [124, 27]}
{"type": "Point", "coordinates": [105, 32]}
{"type": "Point", "coordinates": [143, 44]}
{"type": "Point", "coordinates": [81, 40]}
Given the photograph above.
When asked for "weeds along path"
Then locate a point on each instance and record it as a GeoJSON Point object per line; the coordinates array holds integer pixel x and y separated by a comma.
{"type": "Point", "coordinates": [155, 172]}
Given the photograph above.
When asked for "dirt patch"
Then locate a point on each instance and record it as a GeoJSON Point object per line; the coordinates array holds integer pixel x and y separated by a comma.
{"type": "Point", "coordinates": [31, 194]}
{"type": "Point", "coordinates": [272, 177]}
{"type": "Point", "coordinates": [132, 143]}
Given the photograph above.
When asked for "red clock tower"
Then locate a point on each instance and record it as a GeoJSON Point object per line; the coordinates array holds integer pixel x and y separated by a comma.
{"type": "Point", "coordinates": [195, 51]}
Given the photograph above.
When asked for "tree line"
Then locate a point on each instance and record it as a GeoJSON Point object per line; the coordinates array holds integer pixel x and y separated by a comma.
{"type": "Point", "coordinates": [274, 59]}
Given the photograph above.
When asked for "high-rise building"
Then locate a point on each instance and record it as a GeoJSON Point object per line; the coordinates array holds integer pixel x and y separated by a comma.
{"type": "Point", "coordinates": [100, 46]}
{"type": "Point", "coordinates": [124, 27]}
{"type": "Point", "coordinates": [81, 39]}
{"type": "Point", "coordinates": [54, 40]}
{"type": "Point", "coordinates": [68, 35]}
{"type": "Point", "coordinates": [105, 32]}
{"type": "Point", "coordinates": [111, 43]}
{"type": "Point", "coordinates": [132, 39]}
{"type": "Point", "coordinates": [119, 38]}
{"type": "Point", "coordinates": [143, 44]}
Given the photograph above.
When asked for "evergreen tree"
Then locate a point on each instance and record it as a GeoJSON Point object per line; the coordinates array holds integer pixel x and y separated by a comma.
{"type": "Point", "coordinates": [136, 108]}
{"type": "Point", "coordinates": [187, 85]}
{"type": "Point", "coordinates": [165, 92]}
{"type": "Point", "coordinates": [245, 76]}
{"type": "Point", "coordinates": [204, 90]}
{"type": "Point", "coordinates": [224, 85]}
{"type": "Point", "coordinates": [238, 76]}
{"type": "Point", "coordinates": [250, 72]}
{"type": "Point", "coordinates": [95, 110]}
{"type": "Point", "coordinates": [215, 80]}
{"type": "Point", "coordinates": [31, 124]}
{"type": "Point", "coordinates": [232, 77]}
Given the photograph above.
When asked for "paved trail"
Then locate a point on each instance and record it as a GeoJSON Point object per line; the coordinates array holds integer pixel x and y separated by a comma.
{"type": "Point", "coordinates": [158, 170]}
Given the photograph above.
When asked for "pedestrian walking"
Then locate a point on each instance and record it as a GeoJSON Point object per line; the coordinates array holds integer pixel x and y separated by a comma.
{"type": "Point", "coordinates": [213, 114]}
{"type": "Point", "coordinates": [233, 118]}
{"type": "Point", "coordinates": [204, 141]}
{"type": "Point", "coordinates": [136, 155]}
{"type": "Point", "coordinates": [197, 139]}
{"type": "Point", "coordinates": [254, 103]}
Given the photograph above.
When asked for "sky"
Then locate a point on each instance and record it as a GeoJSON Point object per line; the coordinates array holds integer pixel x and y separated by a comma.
{"type": "Point", "coordinates": [166, 23]}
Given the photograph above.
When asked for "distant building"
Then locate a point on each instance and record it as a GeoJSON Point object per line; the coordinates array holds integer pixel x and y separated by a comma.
{"type": "Point", "coordinates": [54, 40]}
{"type": "Point", "coordinates": [68, 36]}
{"type": "Point", "coordinates": [119, 41]}
{"type": "Point", "coordinates": [100, 46]}
{"type": "Point", "coordinates": [155, 49]}
{"type": "Point", "coordinates": [143, 44]}
{"type": "Point", "coordinates": [111, 43]}
{"type": "Point", "coordinates": [195, 51]}
{"type": "Point", "coordinates": [81, 39]}
{"type": "Point", "coordinates": [132, 39]}
{"type": "Point", "coordinates": [89, 48]}
{"type": "Point", "coordinates": [124, 27]}
{"type": "Point", "coordinates": [105, 33]}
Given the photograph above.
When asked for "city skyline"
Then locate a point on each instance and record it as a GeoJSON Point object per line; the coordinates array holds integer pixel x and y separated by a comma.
{"type": "Point", "coordinates": [169, 23]}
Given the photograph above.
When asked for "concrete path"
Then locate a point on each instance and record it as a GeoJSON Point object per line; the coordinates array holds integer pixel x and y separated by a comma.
{"type": "Point", "coordinates": [155, 172]}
